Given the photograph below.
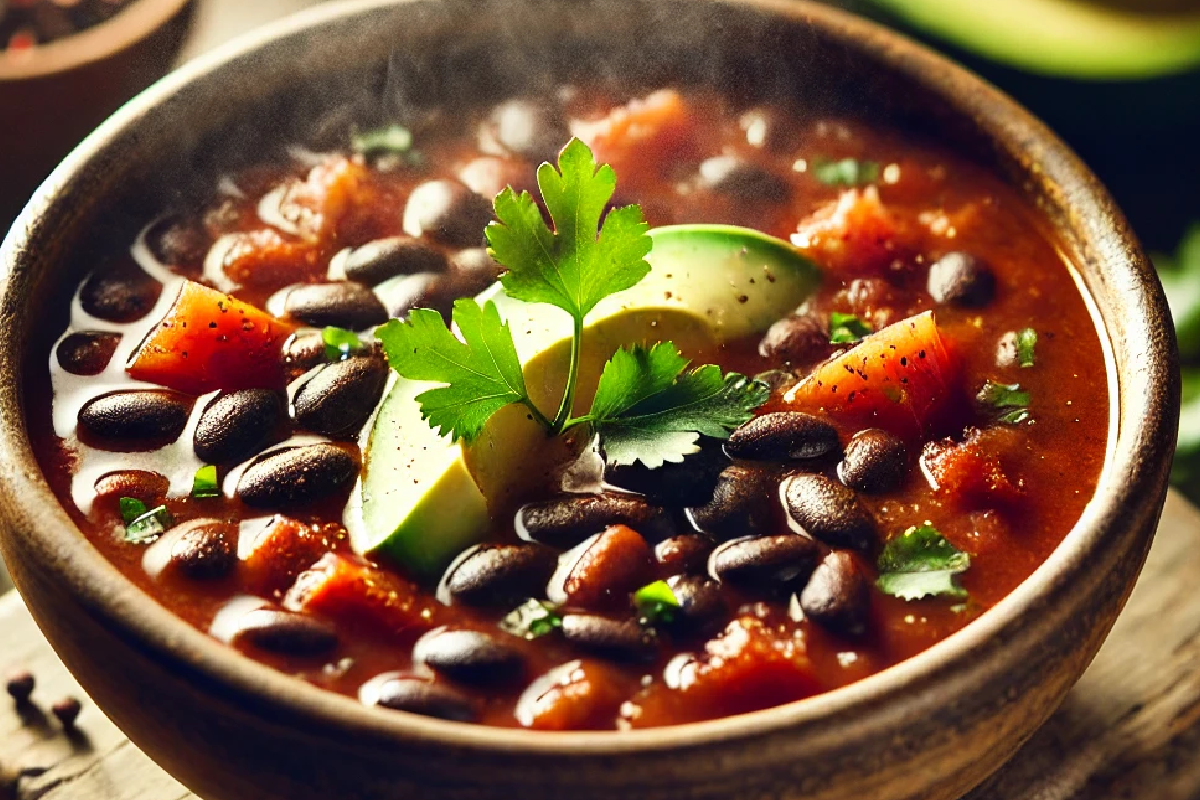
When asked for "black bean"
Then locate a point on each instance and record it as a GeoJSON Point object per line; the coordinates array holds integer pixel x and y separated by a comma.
{"type": "Point", "coordinates": [498, 576]}
{"type": "Point", "coordinates": [302, 351]}
{"type": "Point", "coordinates": [702, 607]}
{"type": "Point", "coordinates": [381, 259]}
{"type": "Point", "coordinates": [743, 180]}
{"type": "Point", "coordinates": [149, 487]}
{"type": "Point", "coordinates": [122, 295]}
{"type": "Point", "coordinates": [566, 522]}
{"type": "Point", "coordinates": [199, 549]}
{"type": "Point", "coordinates": [741, 505]}
{"type": "Point", "coordinates": [402, 294]}
{"type": "Point", "coordinates": [469, 656]}
{"type": "Point", "coordinates": [178, 242]}
{"type": "Point", "coordinates": [838, 595]}
{"type": "Point", "coordinates": [685, 553]}
{"type": "Point", "coordinates": [284, 632]}
{"type": "Point", "coordinates": [526, 127]}
{"type": "Point", "coordinates": [418, 696]}
{"type": "Point", "coordinates": [447, 212]}
{"type": "Point", "coordinates": [338, 398]}
{"type": "Point", "coordinates": [146, 419]}
{"type": "Point", "coordinates": [343, 304]}
{"type": "Point", "coordinates": [783, 435]}
{"type": "Point", "coordinates": [476, 264]}
{"type": "Point", "coordinates": [236, 425]}
{"type": "Point", "coordinates": [690, 482]}
{"type": "Point", "coordinates": [296, 476]}
{"type": "Point", "coordinates": [875, 461]}
{"type": "Point", "coordinates": [796, 339]}
{"type": "Point", "coordinates": [961, 279]}
{"type": "Point", "coordinates": [87, 353]}
{"type": "Point", "coordinates": [764, 563]}
{"type": "Point", "coordinates": [623, 639]}
{"type": "Point", "coordinates": [20, 686]}
{"type": "Point", "coordinates": [829, 511]}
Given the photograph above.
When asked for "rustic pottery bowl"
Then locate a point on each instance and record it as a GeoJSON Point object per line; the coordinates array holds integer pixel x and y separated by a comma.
{"type": "Point", "coordinates": [928, 729]}
{"type": "Point", "coordinates": [55, 94]}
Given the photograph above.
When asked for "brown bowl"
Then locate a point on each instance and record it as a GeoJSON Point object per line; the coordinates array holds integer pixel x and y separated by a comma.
{"type": "Point", "coordinates": [928, 729]}
{"type": "Point", "coordinates": [60, 91]}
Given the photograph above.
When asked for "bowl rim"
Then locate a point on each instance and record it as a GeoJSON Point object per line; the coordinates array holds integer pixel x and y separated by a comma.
{"type": "Point", "coordinates": [129, 25]}
{"type": "Point", "coordinates": [188, 651]}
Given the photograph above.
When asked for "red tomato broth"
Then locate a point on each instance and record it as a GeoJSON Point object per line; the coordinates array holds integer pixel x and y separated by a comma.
{"type": "Point", "coordinates": [938, 203]}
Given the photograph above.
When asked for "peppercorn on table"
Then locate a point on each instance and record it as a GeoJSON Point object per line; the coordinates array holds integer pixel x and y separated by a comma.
{"type": "Point", "coordinates": [1130, 728]}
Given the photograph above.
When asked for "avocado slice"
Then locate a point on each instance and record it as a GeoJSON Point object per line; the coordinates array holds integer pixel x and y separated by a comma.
{"type": "Point", "coordinates": [422, 499]}
{"type": "Point", "coordinates": [1076, 38]}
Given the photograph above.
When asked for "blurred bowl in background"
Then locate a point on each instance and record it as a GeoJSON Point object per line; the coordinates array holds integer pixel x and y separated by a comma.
{"type": "Point", "coordinates": [55, 93]}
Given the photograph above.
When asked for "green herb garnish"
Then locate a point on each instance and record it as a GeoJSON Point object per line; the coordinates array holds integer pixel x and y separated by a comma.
{"type": "Point", "coordinates": [1010, 404]}
{"type": "Point", "coordinates": [921, 563]}
{"type": "Point", "coordinates": [847, 328]}
{"type": "Point", "coordinates": [340, 343]}
{"type": "Point", "coordinates": [846, 172]}
{"type": "Point", "coordinates": [1026, 344]}
{"type": "Point", "coordinates": [390, 139]}
{"type": "Point", "coordinates": [656, 602]}
{"type": "Point", "coordinates": [649, 406]}
{"type": "Point", "coordinates": [532, 619]}
{"type": "Point", "coordinates": [205, 485]}
{"type": "Point", "coordinates": [142, 526]}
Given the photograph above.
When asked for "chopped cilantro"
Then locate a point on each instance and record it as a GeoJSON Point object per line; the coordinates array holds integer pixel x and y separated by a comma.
{"type": "Point", "coordinates": [1010, 404]}
{"type": "Point", "coordinates": [656, 602]}
{"type": "Point", "coordinates": [147, 526]}
{"type": "Point", "coordinates": [846, 172]}
{"type": "Point", "coordinates": [205, 485]}
{"type": "Point", "coordinates": [1026, 343]}
{"type": "Point", "coordinates": [648, 405]}
{"type": "Point", "coordinates": [532, 619]}
{"type": "Point", "coordinates": [847, 328]}
{"type": "Point", "coordinates": [921, 563]}
{"type": "Point", "coordinates": [131, 508]}
{"type": "Point", "coordinates": [390, 139]}
{"type": "Point", "coordinates": [339, 343]}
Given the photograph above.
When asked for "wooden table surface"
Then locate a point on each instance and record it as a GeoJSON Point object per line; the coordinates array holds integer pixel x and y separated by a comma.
{"type": "Point", "coordinates": [1129, 730]}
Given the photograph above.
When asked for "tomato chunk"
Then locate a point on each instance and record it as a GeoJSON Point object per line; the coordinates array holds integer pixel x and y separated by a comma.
{"type": "Point", "coordinates": [747, 668]}
{"type": "Point", "coordinates": [283, 549]}
{"type": "Point", "coordinates": [656, 129]}
{"type": "Point", "coordinates": [899, 379]}
{"type": "Point", "coordinates": [856, 234]}
{"type": "Point", "coordinates": [970, 472]}
{"type": "Point", "coordinates": [209, 340]}
{"type": "Point", "coordinates": [350, 590]}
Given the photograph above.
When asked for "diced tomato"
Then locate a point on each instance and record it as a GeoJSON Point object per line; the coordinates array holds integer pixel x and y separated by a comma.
{"type": "Point", "coordinates": [283, 549]}
{"type": "Point", "coordinates": [347, 589]}
{"type": "Point", "coordinates": [970, 472]}
{"type": "Point", "coordinates": [267, 257]}
{"type": "Point", "coordinates": [657, 129]}
{"type": "Point", "coordinates": [573, 696]}
{"type": "Point", "coordinates": [854, 235]}
{"type": "Point", "coordinates": [747, 668]}
{"type": "Point", "coordinates": [900, 379]}
{"type": "Point", "coordinates": [209, 340]}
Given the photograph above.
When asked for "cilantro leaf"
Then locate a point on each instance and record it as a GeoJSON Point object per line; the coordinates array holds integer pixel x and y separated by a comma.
{"type": "Point", "coordinates": [339, 342]}
{"type": "Point", "coordinates": [481, 370]}
{"type": "Point", "coordinates": [656, 602]}
{"type": "Point", "coordinates": [147, 526]}
{"type": "Point", "coordinates": [846, 172]}
{"type": "Point", "coordinates": [633, 374]}
{"type": "Point", "coordinates": [581, 262]}
{"type": "Point", "coordinates": [921, 563]}
{"type": "Point", "coordinates": [1026, 344]}
{"type": "Point", "coordinates": [532, 619]}
{"type": "Point", "coordinates": [847, 328]}
{"type": "Point", "coordinates": [205, 484]}
{"type": "Point", "coordinates": [1010, 404]}
{"type": "Point", "coordinates": [665, 423]}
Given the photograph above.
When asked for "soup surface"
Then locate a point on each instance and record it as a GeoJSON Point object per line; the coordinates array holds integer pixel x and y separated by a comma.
{"type": "Point", "coordinates": [936, 421]}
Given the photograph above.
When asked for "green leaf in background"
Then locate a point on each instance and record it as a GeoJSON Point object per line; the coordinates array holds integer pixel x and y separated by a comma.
{"type": "Point", "coordinates": [846, 172]}
{"type": "Point", "coordinates": [391, 139]}
{"type": "Point", "coordinates": [847, 328]}
{"type": "Point", "coordinates": [1180, 276]}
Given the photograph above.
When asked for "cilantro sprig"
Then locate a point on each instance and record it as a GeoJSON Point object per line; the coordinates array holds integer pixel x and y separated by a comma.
{"type": "Point", "coordinates": [1006, 401]}
{"type": "Point", "coordinates": [921, 563]}
{"type": "Point", "coordinates": [649, 405]}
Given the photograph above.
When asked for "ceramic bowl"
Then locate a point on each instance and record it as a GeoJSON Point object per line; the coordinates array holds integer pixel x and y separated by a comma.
{"type": "Point", "coordinates": [55, 94]}
{"type": "Point", "coordinates": [229, 728]}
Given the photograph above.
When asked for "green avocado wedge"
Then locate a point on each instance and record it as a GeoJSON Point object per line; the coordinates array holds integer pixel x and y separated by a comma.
{"type": "Point", "coordinates": [422, 499]}
{"type": "Point", "coordinates": [1087, 39]}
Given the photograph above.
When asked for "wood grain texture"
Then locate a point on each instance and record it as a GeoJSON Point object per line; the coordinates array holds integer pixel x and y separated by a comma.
{"type": "Point", "coordinates": [1129, 729]}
